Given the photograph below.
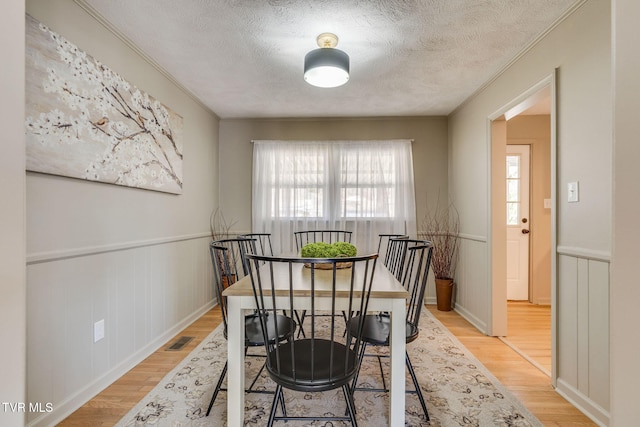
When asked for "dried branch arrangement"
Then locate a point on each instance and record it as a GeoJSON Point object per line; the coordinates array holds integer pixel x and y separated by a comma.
{"type": "Point", "coordinates": [220, 227]}
{"type": "Point", "coordinates": [441, 226]}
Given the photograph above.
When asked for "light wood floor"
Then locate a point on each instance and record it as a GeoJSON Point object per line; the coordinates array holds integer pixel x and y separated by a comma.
{"type": "Point", "coordinates": [527, 382]}
{"type": "Point", "coordinates": [529, 332]}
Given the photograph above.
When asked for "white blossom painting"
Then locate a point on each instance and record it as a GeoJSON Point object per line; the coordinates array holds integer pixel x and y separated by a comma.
{"type": "Point", "coordinates": [85, 121]}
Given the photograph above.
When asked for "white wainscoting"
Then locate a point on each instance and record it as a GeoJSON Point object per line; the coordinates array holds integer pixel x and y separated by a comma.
{"type": "Point", "coordinates": [472, 294]}
{"type": "Point", "coordinates": [145, 291]}
{"type": "Point", "coordinates": [583, 331]}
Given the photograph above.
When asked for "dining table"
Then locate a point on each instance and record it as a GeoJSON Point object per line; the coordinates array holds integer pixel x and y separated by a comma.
{"type": "Point", "coordinates": [387, 295]}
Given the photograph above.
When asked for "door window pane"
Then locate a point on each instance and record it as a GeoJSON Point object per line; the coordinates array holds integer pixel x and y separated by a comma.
{"type": "Point", "coordinates": [513, 189]}
{"type": "Point", "coordinates": [513, 166]}
{"type": "Point", "coordinates": [513, 213]}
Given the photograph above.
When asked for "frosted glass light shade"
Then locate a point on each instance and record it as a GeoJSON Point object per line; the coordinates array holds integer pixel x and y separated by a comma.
{"type": "Point", "coordinates": [326, 67]}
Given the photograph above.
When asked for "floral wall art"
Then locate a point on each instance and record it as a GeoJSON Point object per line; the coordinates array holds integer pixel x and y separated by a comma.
{"type": "Point", "coordinates": [85, 121]}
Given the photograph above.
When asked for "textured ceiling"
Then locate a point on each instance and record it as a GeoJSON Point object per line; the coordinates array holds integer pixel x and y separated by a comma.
{"type": "Point", "coordinates": [244, 58]}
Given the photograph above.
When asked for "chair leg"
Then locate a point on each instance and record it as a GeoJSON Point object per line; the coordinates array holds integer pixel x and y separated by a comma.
{"type": "Point", "coordinates": [218, 386]}
{"type": "Point", "coordinates": [417, 386]}
{"type": "Point", "coordinates": [277, 397]}
{"type": "Point", "coordinates": [300, 321]}
{"type": "Point", "coordinates": [282, 407]}
{"type": "Point", "coordinates": [300, 318]}
{"type": "Point", "coordinates": [384, 383]}
{"type": "Point", "coordinates": [255, 380]}
{"type": "Point", "coordinates": [360, 358]}
{"type": "Point", "coordinates": [351, 407]}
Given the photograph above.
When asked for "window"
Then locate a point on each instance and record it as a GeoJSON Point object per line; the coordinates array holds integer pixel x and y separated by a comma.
{"type": "Point", "coordinates": [513, 189]}
{"type": "Point", "coordinates": [296, 185]}
{"type": "Point", "coordinates": [362, 186]}
{"type": "Point", "coordinates": [368, 183]}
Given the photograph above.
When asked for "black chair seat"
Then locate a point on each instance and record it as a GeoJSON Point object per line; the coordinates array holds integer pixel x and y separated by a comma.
{"type": "Point", "coordinates": [253, 333]}
{"type": "Point", "coordinates": [305, 372]}
{"type": "Point", "coordinates": [376, 329]}
{"type": "Point", "coordinates": [312, 373]}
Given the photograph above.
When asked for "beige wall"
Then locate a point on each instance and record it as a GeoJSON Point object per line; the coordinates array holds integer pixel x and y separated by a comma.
{"type": "Point", "coordinates": [136, 258]}
{"type": "Point", "coordinates": [429, 153]}
{"type": "Point", "coordinates": [535, 131]}
{"type": "Point", "coordinates": [579, 49]}
{"type": "Point", "coordinates": [12, 215]}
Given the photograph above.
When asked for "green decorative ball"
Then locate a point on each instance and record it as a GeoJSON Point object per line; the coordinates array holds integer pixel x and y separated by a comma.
{"type": "Point", "coordinates": [328, 250]}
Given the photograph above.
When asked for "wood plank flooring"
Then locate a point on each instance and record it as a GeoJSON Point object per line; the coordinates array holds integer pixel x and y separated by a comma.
{"type": "Point", "coordinates": [527, 382]}
{"type": "Point", "coordinates": [529, 332]}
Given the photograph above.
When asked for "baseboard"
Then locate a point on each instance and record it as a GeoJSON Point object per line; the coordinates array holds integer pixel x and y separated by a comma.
{"type": "Point", "coordinates": [479, 324]}
{"type": "Point", "coordinates": [71, 404]}
{"type": "Point", "coordinates": [592, 410]}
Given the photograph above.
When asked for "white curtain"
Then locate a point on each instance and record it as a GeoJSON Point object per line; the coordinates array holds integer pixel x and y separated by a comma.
{"type": "Point", "coordinates": [361, 186]}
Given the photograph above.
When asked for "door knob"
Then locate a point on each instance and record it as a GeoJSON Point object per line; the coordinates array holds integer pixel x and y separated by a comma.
{"type": "Point", "coordinates": [525, 231]}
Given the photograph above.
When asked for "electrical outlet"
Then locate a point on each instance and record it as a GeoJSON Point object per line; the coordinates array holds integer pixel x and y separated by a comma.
{"type": "Point", "coordinates": [98, 330]}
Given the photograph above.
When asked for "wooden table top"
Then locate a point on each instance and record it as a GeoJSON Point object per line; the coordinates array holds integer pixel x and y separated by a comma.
{"type": "Point", "coordinates": [385, 284]}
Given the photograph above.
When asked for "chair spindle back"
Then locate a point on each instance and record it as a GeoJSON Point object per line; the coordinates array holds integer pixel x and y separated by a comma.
{"type": "Point", "coordinates": [327, 357]}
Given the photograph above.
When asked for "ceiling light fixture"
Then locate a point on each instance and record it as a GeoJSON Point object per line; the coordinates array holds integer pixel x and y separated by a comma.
{"type": "Point", "coordinates": [326, 66]}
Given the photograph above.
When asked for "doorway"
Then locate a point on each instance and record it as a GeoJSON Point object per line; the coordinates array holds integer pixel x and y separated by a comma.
{"type": "Point", "coordinates": [523, 243]}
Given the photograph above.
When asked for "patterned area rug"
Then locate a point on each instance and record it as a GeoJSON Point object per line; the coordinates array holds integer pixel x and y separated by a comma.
{"type": "Point", "coordinates": [458, 389]}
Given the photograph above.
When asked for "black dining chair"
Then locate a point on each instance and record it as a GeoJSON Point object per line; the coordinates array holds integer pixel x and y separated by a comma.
{"type": "Point", "coordinates": [263, 244]}
{"type": "Point", "coordinates": [314, 236]}
{"type": "Point", "coordinates": [324, 360]}
{"type": "Point", "coordinates": [229, 266]}
{"type": "Point", "coordinates": [415, 269]}
{"type": "Point", "coordinates": [391, 252]}
{"type": "Point", "coordinates": [383, 241]}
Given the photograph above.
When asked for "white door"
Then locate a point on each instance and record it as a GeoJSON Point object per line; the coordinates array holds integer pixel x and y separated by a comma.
{"type": "Point", "coordinates": [517, 205]}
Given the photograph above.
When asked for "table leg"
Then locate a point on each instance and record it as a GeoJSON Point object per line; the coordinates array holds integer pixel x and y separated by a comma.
{"type": "Point", "coordinates": [235, 363]}
{"type": "Point", "coordinates": [397, 346]}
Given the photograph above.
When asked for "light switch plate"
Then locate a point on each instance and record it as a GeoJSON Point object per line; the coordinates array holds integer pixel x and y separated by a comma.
{"type": "Point", "coordinates": [98, 330]}
{"type": "Point", "coordinates": [572, 192]}
{"type": "Point", "coordinates": [547, 203]}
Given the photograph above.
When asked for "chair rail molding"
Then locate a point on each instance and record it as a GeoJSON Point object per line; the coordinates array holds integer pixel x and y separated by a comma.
{"type": "Point", "coordinates": [39, 257]}
{"type": "Point", "coordinates": [584, 253]}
